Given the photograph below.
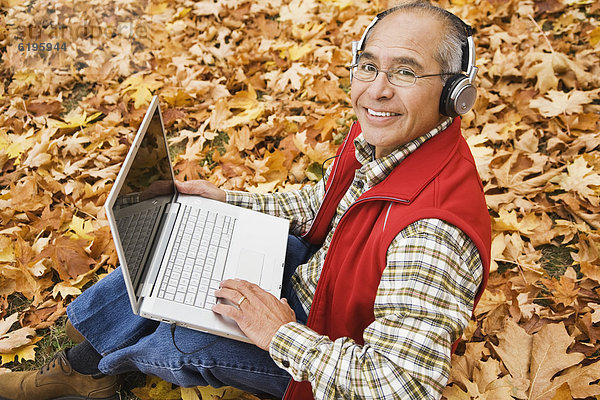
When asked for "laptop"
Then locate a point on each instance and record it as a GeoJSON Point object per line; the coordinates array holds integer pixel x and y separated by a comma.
{"type": "Point", "coordinates": [175, 249]}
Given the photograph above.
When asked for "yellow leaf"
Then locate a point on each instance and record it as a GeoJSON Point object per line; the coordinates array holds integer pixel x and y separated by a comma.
{"type": "Point", "coordinates": [81, 228]}
{"type": "Point", "coordinates": [297, 52]}
{"type": "Point", "coordinates": [75, 119]}
{"type": "Point", "coordinates": [142, 88]}
{"type": "Point", "coordinates": [508, 221]}
{"type": "Point", "coordinates": [7, 253]}
{"type": "Point", "coordinates": [190, 394]}
{"type": "Point", "coordinates": [155, 9]}
{"type": "Point", "coordinates": [319, 153]}
{"type": "Point", "coordinates": [22, 353]}
{"type": "Point", "coordinates": [248, 102]}
{"type": "Point", "coordinates": [65, 289]}
{"type": "Point", "coordinates": [15, 145]}
{"type": "Point", "coordinates": [595, 36]}
{"type": "Point", "coordinates": [157, 389]}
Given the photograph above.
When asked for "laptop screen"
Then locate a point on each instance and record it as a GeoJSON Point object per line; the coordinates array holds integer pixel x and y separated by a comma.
{"type": "Point", "coordinates": [147, 189]}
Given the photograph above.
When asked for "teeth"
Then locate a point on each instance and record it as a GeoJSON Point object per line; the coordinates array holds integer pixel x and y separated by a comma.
{"type": "Point", "coordinates": [380, 114]}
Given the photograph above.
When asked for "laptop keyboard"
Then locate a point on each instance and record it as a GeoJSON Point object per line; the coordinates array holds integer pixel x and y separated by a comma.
{"type": "Point", "coordinates": [193, 275]}
{"type": "Point", "coordinates": [135, 231]}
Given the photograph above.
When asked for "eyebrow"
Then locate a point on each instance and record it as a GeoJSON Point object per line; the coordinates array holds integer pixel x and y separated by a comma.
{"type": "Point", "coordinates": [401, 60]}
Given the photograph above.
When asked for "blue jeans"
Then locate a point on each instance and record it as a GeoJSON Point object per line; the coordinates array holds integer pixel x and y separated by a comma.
{"type": "Point", "coordinates": [128, 342]}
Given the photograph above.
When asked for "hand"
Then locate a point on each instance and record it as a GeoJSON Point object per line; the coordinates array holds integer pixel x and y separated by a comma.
{"type": "Point", "coordinates": [259, 315]}
{"type": "Point", "coordinates": [201, 188]}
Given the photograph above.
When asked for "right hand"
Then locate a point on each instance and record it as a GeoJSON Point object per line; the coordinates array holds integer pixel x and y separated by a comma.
{"type": "Point", "coordinates": [202, 188]}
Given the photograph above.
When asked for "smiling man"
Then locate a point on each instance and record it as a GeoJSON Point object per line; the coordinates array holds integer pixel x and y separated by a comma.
{"type": "Point", "coordinates": [386, 260]}
{"type": "Point", "coordinates": [398, 110]}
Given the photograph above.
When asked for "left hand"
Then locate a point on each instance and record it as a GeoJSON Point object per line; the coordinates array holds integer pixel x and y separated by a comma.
{"type": "Point", "coordinates": [259, 316]}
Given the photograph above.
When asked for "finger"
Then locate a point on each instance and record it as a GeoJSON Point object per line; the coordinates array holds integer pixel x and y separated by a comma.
{"type": "Point", "coordinates": [244, 287]}
{"type": "Point", "coordinates": [229, 294]}
{"type": "Point", "coordinates": [228, 311]}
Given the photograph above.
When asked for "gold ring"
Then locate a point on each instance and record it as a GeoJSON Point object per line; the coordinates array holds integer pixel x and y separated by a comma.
{"type": "Point", "coordinates": [240, 301]}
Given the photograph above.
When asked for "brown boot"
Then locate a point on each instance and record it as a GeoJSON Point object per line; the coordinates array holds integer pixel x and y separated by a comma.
{"type": "Point", "coordinates": [57, 380]}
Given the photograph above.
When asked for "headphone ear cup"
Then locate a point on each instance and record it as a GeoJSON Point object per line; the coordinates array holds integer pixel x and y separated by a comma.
{"type": "Point", "coordinates": [458, 96]}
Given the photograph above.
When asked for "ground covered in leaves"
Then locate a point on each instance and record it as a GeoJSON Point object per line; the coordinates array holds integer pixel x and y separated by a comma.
{"type": "Point", "coordinates": [255, 97]}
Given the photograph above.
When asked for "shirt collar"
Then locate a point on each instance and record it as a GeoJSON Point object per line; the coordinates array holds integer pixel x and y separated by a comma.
{"type": "Point", "coordinates": [376, 170]}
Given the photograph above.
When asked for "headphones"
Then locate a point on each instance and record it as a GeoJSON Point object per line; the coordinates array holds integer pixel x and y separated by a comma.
{"type": "Point", "coordinates": [459, 92]}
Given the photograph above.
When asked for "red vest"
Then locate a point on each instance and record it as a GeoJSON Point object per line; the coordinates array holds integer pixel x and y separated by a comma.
{"type": "Point", "coordinates": [438, 180]}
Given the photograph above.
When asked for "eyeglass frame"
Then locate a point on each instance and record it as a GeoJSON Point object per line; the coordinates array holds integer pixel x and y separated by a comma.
{"type": "Point", "coordinates": [388, 72]}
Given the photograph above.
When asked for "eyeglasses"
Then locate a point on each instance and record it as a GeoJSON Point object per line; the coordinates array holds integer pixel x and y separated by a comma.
{"type": "Point", "coordinates": [402, 77]}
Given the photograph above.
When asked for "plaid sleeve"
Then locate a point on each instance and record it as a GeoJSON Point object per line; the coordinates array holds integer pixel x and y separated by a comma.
{"type": "Point", "coordinates": [424, 301]}
{"type": "Point", "coordinates": [298, 206]}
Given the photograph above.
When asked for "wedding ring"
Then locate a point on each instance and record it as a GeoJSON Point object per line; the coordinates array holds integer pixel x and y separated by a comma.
{"type": "Point", "coordinates": [241, 300]}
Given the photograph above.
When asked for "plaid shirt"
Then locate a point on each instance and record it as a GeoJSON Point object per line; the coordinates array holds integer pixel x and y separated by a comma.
{"type": "Point", "coordinates": [423, 302]}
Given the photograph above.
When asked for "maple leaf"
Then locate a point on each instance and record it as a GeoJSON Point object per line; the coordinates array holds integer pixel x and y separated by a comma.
{"type": "Point", "coordinates": [22, 353]}
{"type": "Point", "coordinates": [76, 118]}
{"type": "Point", "coordinates": [81, 228]}
{"type": "Point", "coordinates": [579, 177]}
{"type": "Point", "coordinates": [544, 70]}
{"type": "Point", "coordinates": [548, 357]}
{"type": "Point", "coordinates": [563, 290]}
{"type": "Point", "coordinates": [293, 77]}
{"type": "Point", "coordinates": [68, 257]}
{"type": "Point", "coordinates": [251, 108]}
{"type": "Point", "coordinates": [142, 87]}
{"type": "Point", "coordinates": [319, 153]}
{"type": "Point", "coordinates": [15, 145]}
{"type": "Point", "coordinates": [72, 144]}
{"type": "Point", "coordinates": [557, 103]}
{"type": "Point", "coordinates": [15, 339]}
{"type": "Point", "coordinates": [508, 221]}
{"type": "Point", "coordinates": [65, 290]}
{"type": "Point", "coordinates": [514, 349]}
{"type": "Point", "coordinates": [296, 52]}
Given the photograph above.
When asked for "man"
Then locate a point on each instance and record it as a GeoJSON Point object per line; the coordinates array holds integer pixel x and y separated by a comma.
{"type": "Point", "coordinates": [395, 250]}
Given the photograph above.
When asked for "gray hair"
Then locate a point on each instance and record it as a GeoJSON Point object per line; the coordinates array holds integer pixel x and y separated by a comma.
{"type": "Point", "coordinates": [449, 53]}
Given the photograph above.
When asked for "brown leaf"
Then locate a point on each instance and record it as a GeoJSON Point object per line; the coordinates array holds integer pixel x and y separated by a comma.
{"type": "Point", "coordinates": [15, 339]}
{"type": "Point", "coordinates": [549, 357]}
{"type": "Point", "coordinates": [580, 380]}
{"type": "Point", "coordinates": [68, 257]}
{"type": "Point", "coordinates": [514, 348]}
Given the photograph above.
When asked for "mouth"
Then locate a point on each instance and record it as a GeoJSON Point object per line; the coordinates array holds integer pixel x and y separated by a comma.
{"type": "Point", "coordinates": [381, 113]}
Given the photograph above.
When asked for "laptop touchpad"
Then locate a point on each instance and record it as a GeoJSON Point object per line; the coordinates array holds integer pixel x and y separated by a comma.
{"type": "Point", "coordinates": [250, 265]}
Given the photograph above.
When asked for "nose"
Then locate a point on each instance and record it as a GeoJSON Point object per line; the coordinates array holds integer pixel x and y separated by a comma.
{"type": "Point", "coordinates": [381, 88]}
